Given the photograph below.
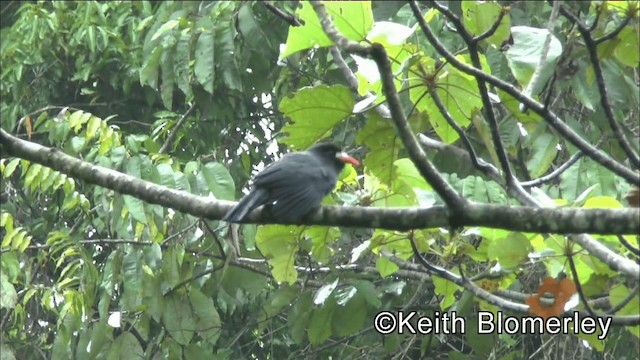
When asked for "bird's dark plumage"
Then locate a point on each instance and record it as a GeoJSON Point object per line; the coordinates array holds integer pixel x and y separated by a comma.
{"type": "Point", "coordinates": [295, 184]}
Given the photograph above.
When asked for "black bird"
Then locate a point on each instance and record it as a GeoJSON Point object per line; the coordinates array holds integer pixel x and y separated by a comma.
{"type": "Point", "coordinates": [295, 184]}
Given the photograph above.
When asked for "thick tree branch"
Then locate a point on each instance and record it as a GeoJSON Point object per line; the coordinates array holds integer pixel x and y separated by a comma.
{"type": "Point", "coordinates": [527, 219]}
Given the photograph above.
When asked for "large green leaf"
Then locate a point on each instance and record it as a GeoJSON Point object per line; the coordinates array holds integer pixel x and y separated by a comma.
{"type": "Point", "coordinates": [205, 59]}
{"type": "Point", "coordinates": [480, 16]}
{"type": "Point", "coordinates": [627, 51]}
{"type": "Point", "coordinates": [219, 181]}
{"type": "Point", "coordinates": [380, 136]}
{"type": "Point", "coordinates": [279, 245]}
{"type": "Point", "coordinates": [320, 324]}
{"type": "Point", "coordinates": [545, 150]}
{"type": "Point", "coordinates": [350, 317]}
{"type": "Point", "coordinates": [314, 112]}
{"type": "Point", "coordinates": [455, 90]}
{"type": "Point", "coordinates": [178, 319]}
{"type": "Point", "coordinates": [510, 251]}
{"type": "Point", "coordinates": [352, 19]}
{"type": "Point", "coordinates": [125, 346]}
{"type": "Point", "coordinates": [8, 295]}
{"type": "Point", "coordinates": [321, 238]}
{"type": "Point", "coordinates": [524, 55]}
{"type": "Point", "coordinates": [207, 321]}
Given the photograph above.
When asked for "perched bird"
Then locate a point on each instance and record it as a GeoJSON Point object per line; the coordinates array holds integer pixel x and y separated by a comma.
{"type": "Point", "coordinates": [295, 184]}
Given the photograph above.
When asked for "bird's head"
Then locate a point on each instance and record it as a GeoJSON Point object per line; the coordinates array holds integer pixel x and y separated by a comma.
{"type": "Point", "coordinates": [332, 151]}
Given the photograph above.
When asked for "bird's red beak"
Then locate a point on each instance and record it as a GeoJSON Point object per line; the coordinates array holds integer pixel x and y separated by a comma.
{"type": "Point", "coordinates": [345, 158]}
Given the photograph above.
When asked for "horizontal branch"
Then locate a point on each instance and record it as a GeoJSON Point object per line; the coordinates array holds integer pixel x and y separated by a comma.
{"type": "Point", "coordinates": [526, 219]}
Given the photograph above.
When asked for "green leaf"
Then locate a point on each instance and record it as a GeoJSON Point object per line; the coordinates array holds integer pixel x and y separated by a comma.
{"type": "Point", "coordinates": [181, 60]}
{"type": "Point", "coordinates": [135, 207]}
{"type": "Point", "coordinates": [524, 55]}
{"type": "Point", "coordinates": [10, 168]}
{"type": "Point", "coordinates": [225, 44]}
{"type": "Point", "coordinates": [320, 324]}
{"type": "Point", "coordinates": [299, 317]}
{"type": "Point", "coordinates": [453, 89]}
{"type": "Point", "coordinates": [219, 181]}
{"type": "Point", "coordinates": [478, 189]}
{"type": "Point", "coordinates": [510, 251]}
{"type": "Point", "coordinates": [447, 290]}
{"type": "Point", "coordinates": [627, 50]}
{"type": "Point", "coordinates": [278, 299]}
{"type": "Point", "coordinates": [352, 19]}
{"type": "Point", "coordinates": [207, 320]}
{"type": "Point", "coordinates": [279, 245]}
{"type": "Point", "coordinates": [350, 318]}
{"type": "Point", "coordinates": [178, 319]}
{"type": "Point", "coordinates": [385, 266]}
{"type": "Point", "coordinates": [168, 79]}
{"type": "Point", "coordinates": [380, 136]}
{"type": "Point", "coordinates": [321, 237]}
{"type": "Point", "coordinates": [92, 127]}
{"type": "Point", "coordinates": [314, 112]}
{"type": "Point", "coordinates": [407, 172]}
{"type": "Point", "coordinates": [545, 150]}
{"type": "Point", "coordinates": [149, 72]}
{"type": "Point", "coordinates": [169, 25]}
{"type": "Point", "coordinates": [478, 17]}
{"type": "Point", "coordinates": [204, 68]}
{"type": "Point", "coordinates": [126, 346]}
{"type": "Point", "coordinates": [8, 295]}
{"type": "Point", "coordinates": [602, 202]}
{"type": "Point", "coordinates": [152, 295]}
{"type": "Point", "coordinates": [170, 267]}
{"type": "Point", "coordinates": [368, 291]}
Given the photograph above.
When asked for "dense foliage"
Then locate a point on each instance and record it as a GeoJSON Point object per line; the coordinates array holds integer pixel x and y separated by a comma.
{"type": "Point", "coordinates": [196, 96]}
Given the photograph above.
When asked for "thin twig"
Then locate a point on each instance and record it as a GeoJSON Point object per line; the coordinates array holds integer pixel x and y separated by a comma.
{"type": "Point", "coordinates": [174, 132]}
{"type": "Point", "coordinates": [291, 19]}
{"type": "Point", "coordinates": [554, 174]}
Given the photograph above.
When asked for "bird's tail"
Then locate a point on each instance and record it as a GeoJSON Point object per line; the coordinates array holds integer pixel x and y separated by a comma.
{"type": "Point", "coordinates": [251, 201]}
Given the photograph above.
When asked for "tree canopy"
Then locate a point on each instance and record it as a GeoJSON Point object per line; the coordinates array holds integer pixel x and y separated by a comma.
{"type": "Point", "coordinates": [499, 179]}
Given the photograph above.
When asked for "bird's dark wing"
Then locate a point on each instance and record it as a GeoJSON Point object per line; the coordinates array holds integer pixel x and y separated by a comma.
{"type": "Point", "coordinates": [298, 187]}
{"type": "Point", "coordinates": [294, 202]}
